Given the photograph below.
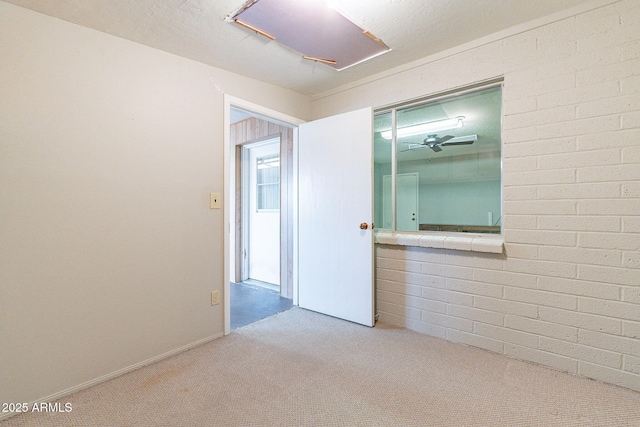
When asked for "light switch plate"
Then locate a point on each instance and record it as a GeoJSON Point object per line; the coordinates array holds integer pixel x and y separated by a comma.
{"type": "Point", "coordinates": [214, 201]}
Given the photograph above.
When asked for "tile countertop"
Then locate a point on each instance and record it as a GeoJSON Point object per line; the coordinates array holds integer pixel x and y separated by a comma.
{"type": "Point", "coordinates": [458, 241]}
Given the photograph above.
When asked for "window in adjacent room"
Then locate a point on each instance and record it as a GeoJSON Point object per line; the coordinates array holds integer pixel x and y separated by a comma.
{"type": "Point", "coordinates": [438, 163]}
{"type": "Point", "coordinates": [268, 183]}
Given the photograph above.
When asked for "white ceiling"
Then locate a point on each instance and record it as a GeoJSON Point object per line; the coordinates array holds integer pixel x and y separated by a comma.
{"type": "Point", "coordinates": [197, 29]}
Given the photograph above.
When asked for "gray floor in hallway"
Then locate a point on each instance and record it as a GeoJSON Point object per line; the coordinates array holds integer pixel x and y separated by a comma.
{"type": "Point", "coordinates": [250, 303]}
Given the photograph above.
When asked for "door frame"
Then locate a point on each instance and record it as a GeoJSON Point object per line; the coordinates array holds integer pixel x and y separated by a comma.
{"type": "Point", "coordinates": [229, 182]}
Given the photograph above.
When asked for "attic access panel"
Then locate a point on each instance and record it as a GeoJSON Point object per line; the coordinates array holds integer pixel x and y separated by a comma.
{"type": "Point", "coordinates": [319, 32]}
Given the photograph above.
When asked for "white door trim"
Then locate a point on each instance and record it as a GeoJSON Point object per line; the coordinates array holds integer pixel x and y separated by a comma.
{"type": "Point", "coordinates": [229, 182]}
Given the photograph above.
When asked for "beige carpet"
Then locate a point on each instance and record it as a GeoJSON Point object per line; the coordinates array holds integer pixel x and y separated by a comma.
{"type": "Point", "coordinates": [300, 368]}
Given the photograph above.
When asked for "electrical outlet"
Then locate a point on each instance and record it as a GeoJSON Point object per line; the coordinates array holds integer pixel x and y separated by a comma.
{"type": "Point", "coordinates": [215, 297]}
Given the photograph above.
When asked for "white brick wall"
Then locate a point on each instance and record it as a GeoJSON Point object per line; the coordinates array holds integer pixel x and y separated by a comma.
{"type": "Point", "coordinates": [566, 293]}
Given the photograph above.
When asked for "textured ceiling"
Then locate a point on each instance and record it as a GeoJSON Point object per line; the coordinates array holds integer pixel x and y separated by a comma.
{"type": "Point", "coordinates": [197, 29]}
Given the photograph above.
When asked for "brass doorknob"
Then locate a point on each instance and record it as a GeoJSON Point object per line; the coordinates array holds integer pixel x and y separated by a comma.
{"type": "Point", "coordinates": [364, 226]}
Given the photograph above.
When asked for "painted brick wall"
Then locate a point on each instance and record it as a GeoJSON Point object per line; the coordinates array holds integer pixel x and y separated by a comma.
{"type": "Point", "coordinates": [566, 293]}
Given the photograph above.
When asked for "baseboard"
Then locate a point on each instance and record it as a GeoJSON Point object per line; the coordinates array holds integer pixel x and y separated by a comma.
{"type": "Point", "coordinates": [63, 393]}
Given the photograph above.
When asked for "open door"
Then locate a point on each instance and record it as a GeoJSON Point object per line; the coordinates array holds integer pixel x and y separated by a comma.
{"type": "Point", "coordinates": [262, 211]}
{"type": "Point", "coordinates": [335, 212]}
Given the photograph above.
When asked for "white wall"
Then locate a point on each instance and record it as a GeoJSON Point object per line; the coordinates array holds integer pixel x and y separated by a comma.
{"type": "Point", "coordinates": [458, 189]}
{"type": "Point", "coordinates": [567, 292]}
{"type": "Point", "coordinates": [108, 248]}
{"type": "Point", "coordinates": [466, 203]}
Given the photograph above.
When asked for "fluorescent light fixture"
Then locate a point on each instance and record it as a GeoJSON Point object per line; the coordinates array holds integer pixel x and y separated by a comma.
{"type": "Point", "coordinates": [421, 129]}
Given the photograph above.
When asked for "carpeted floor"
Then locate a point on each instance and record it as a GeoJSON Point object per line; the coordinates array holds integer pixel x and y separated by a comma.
{"type": "Point", "coordinates": [300, 368]}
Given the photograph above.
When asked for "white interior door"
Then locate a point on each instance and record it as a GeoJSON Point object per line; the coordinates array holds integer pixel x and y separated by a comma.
{"type": "Point", "coordinates": [408, 217]}
{"type": "Point", "coordinates": [264, 211]}
{"type": "Point", "coordinates": [335, 186]}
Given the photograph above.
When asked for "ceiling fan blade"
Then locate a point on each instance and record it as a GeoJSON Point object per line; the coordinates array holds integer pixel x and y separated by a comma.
{"type": "Point", "coordinates": [464, 138]}
{"type": "Point", "coordinates": [443, 139]}
{"type": "Point", "coordinates": [457, 143]}
{"type": "Point", "coordinates": [412, 147]}
{"type": "Point", "coordinates": [435, 148]}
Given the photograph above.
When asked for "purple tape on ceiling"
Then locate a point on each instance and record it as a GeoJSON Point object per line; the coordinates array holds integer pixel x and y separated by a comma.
{"type": "Point", "coordinates": [313, 29]}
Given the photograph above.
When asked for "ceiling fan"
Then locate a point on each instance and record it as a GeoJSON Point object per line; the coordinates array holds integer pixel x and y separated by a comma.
{"type": "Point", "coordinates": [432, 141]}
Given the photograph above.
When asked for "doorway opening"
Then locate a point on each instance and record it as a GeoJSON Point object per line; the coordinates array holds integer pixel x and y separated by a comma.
{"type": "Point", "coordinates": [262, 280]}
{"type": "Point", "coordinates": [260, 189]}
{"type": "Point", "coordinates": [326, 210]}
